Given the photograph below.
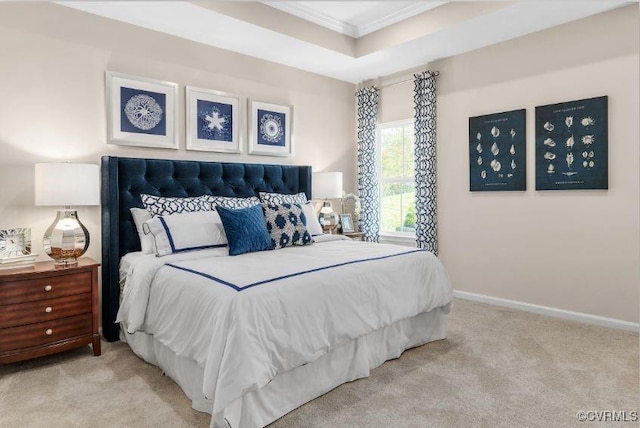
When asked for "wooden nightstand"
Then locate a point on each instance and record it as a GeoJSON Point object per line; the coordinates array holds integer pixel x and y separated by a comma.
{"type": "Point", "coordinates": [44, 310]}
{"type": "Point", "coordinates": [356, 236]}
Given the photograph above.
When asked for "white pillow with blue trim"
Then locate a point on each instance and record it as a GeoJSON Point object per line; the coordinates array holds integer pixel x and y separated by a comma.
{"type": "Point", "coordinates": [177, 233]}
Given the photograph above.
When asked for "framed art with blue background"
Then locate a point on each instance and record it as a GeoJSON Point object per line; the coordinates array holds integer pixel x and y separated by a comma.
{"type": "Point", "coordinates": [572, 145]}
{"type": "Point", "coordinates": [141, 112]}
{"type": "Point", "coordinates": [497, 151]}
{"type": "Point", "coordinates": [270, 129]}
{"type": "Point", "coordinates": [212, 121]}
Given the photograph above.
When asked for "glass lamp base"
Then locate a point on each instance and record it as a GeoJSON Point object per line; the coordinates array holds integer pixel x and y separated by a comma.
{"type": "Point", "coordinates": [328, 218]}
{"type": "Point", "coordinates": [66, 239]}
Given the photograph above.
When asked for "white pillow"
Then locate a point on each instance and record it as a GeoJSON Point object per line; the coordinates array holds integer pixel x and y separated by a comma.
{"type": "Point", "coordinates": [186, 231]}
{"type": "Point", "coordinates": [313, 224]}
{"type": "Point", "coordinates": [147, 243]}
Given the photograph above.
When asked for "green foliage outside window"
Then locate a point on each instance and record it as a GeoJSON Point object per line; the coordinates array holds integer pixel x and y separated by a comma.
{"type": "Point", "coordinates": [397, 193]}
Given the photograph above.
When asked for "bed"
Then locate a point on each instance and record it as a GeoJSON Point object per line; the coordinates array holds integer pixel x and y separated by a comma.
{"type": "Point", "coordinates": [249, 338]}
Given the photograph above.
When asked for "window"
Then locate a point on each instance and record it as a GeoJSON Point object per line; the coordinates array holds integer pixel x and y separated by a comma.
{"type": "Point", "coordinates": [396, 178]}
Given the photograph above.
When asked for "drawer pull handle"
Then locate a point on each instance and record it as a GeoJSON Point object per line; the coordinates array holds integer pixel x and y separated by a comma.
{"type": "Point", "coordinates": [49, 332]}
{"type": "Point", "coordinates": [48, 309]}
{"type": "Point", "coordinates": [48, 288]}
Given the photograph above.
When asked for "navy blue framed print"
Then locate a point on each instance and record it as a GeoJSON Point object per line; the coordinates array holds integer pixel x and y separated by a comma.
{"type": "Point", "coordinates": [270, 129]}
{"type": "Point", "coordinates": [572, 145]}
{"type": "Point", "coordinates": [497, 151]}
{"type": "Point", "coordinates": [140, 111]}
{"type": "Point", "coordinates": [212, 121]}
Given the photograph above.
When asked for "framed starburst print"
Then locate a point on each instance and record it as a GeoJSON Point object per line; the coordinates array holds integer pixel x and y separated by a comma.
{"type": "Point", "coordinates": [141, 112]}
{"type": "Point", "coordinates": [212, 121]}
{"type": "Point", "coordinates": [270, 129]}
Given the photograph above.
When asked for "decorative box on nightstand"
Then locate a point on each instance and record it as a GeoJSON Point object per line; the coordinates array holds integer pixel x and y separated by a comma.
{"type": "Point", "coordinates": [44, 310]}
{"type": "Point", "coordinates": [356, 236]}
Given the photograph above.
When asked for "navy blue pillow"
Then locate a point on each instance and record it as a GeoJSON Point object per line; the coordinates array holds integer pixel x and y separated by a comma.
{"type": "Point", "coordinates": [246, 229]}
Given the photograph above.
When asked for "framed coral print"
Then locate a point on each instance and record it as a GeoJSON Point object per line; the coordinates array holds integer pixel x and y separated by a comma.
{"type": "Point", "coordinates": [572, 145]}
{"type": "Point", "coordinates": [141, 112]}
{"type": "Point", "coordinates": [497, 147]}
{"type": "Point", "coordinates": [212, 121]}
{"type": "Point", "coordinates": [270, 129]}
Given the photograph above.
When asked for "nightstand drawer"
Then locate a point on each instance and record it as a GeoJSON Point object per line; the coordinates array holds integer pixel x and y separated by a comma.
{"type": "Point", "coordinates": [29, 290]}
{"type": "Point", "coordinates": [44, 310]}
{"type": "Point", "coordinates": [45, 332]}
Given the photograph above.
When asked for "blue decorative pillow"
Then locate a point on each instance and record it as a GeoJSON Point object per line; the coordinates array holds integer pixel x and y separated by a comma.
{"type": "Point", "coordinates": [162, 205]}
{"type": "Point", "coordinates": [286, 224]}
{"type": "Point", "coordinates": [246, 229]}
{"type": "Point", "coordinates": [282, 198]}
{"type": "Point", "coordinates": [232, 203]}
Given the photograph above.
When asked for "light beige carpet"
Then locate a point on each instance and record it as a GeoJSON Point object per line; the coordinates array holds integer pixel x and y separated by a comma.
{"type": "Point", "coordinates": [497, 368]}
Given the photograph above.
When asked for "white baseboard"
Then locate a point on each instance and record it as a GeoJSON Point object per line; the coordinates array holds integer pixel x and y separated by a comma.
{"type": "Point", "coordinates": [549, 311]}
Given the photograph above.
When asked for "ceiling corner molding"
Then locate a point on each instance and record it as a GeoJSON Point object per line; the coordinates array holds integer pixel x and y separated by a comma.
{"type": "Point", "coordinates": [400, 15]}
{"type": "Point", "coordinates": [311, 15]}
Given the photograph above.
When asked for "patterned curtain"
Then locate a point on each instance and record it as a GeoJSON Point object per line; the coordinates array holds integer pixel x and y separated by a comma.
{"type": "Point", "coordinates": [367, 159]}
{"type": "Point", "coordinates": [424, 100]}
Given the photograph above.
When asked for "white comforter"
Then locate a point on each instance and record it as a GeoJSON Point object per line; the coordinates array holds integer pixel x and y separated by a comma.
{"type": "Point", "coordinates": [246, 318]}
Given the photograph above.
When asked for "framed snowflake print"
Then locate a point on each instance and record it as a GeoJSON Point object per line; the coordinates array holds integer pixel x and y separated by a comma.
{"type": "Point", "coordinates": [270, 129]}
{"type": "Point", "coordinates": [141, 112]}
{"type": "Point", "coordinates": [497, 148]}
{"type": "Point", "coordinates": [572, 145]}
{"type": "Point", "coordinates": [212, 121]}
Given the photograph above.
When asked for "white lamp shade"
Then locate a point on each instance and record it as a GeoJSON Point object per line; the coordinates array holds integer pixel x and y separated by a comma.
{"type": "Point", "coordinates": [327, 185]}
{"type": "Point", "coordinates": [67, 184]}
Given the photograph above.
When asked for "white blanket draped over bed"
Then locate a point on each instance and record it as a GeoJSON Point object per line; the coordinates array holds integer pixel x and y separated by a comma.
{"type": "Point", "coordinates": [244, 319]}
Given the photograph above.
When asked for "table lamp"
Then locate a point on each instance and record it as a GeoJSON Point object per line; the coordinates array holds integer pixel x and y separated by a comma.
{"type": "Point", "coordinates": [327, 185]}
{"type": "Point", "coordinates": [66, 184]}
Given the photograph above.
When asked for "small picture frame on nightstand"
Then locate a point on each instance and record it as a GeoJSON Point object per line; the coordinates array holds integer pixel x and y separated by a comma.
{"type": "Point", "coordinates": [347, 223]}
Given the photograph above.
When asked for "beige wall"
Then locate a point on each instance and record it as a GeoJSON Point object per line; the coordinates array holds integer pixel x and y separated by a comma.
{"type": "Point", "coordinates": [52, 64]}
{"type": "Point", "coordinates": [573, 250]}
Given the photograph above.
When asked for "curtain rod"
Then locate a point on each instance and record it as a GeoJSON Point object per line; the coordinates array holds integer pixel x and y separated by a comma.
{"type": "Point", "coordinates": [435, 73]}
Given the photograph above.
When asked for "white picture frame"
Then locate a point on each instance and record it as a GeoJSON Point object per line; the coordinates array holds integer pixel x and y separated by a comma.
{"type": "Point", "coordinates": [141, 112]}
{"type": "Point", "coordinates": [270, 129]}
{"type": "Point", "coordinates": [213, 120]}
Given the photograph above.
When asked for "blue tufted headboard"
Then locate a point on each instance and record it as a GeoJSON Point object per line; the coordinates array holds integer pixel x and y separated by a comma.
{"type": "Point", "coordinates": [124, 179]}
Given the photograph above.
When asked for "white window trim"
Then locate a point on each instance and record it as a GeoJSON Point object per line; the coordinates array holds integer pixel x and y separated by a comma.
{"type": "Point", "coordinates": [403, 238]}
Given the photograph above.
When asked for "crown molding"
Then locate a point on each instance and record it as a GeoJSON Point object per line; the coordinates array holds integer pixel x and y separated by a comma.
{"type": "Point", "coordinates": [314, 16]}
{"type": "Point", "coordinates": [397, 16]}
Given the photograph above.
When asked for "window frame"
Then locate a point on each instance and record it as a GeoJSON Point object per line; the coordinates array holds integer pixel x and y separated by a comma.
{"type": "Point", "coordinates": [411, 180]}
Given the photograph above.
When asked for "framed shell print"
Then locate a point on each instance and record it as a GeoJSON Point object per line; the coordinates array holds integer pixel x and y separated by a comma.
{"type": "Point", "coordinates": [270, 127]}
{"type": "Point", "coordinates": [572, 145]}
{"type": "Point", "coordinates": [497, 151]}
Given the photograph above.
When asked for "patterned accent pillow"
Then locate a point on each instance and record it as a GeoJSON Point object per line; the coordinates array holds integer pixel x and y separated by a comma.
{"type": "Point", "coordinates": [286, 224]}
{"type": "Point", "coordinates": [282, 198]}
{"type": "Point", "coordinates": [162, 205]}
{"type": "Point", "coordinates": [232, 203]}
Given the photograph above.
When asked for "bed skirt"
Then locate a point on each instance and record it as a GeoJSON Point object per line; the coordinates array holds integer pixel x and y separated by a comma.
{"type": "Point", "coordinates": [289, 390]}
